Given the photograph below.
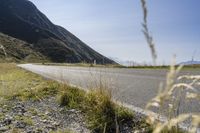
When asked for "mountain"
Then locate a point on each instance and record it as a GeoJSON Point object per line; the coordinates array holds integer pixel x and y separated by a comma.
{"type": "Point", "coordinates": [22, 20]}
{"type": "Point", "coordinates": [190, 63]}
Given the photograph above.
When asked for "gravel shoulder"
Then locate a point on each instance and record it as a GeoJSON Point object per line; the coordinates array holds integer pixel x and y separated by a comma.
{"type": "Point", "coordinates": [40, 117]}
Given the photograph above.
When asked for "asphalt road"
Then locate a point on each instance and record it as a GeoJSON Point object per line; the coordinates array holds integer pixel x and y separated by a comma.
{"type": "Point", "coordinates": [131, 86]}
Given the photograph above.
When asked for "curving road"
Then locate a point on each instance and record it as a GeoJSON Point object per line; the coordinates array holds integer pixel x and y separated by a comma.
{"type": "Point", "coordinates": [130, 86]}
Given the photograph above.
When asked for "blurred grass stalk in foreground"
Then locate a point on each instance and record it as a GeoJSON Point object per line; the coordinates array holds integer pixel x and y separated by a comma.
{"type": "Point", "coordinates": [189, 87]}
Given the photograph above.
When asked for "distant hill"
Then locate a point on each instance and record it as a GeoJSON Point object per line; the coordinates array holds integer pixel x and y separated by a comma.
{"type": "Point", "coordinates": [22, 20]}
{"type": "Point", "coordinates": [190, 63]}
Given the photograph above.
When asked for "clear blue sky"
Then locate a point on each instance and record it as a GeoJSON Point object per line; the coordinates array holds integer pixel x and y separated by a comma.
{"type": "Point", "coordinates": [113, 27]}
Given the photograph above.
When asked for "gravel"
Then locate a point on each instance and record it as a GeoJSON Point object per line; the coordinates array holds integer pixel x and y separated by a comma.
{"type": "Point", "coordinates": [47, 115]}
{"type": "Point", "coordinates": [40, 117]}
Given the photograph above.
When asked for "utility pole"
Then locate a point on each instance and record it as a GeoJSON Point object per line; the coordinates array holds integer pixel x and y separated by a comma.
{"type": "Point", "coordinates": [194, 53]}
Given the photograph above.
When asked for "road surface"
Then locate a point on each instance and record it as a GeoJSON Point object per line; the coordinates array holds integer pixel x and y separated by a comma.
{"type": "Point", "coordinates": [131, 86]}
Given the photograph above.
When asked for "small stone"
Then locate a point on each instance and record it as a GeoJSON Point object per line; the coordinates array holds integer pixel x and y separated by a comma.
{"type": "Point", "coordinates": [72, 110]}
{"type": "Point", "coordinates": [56, 123]}
{"type": "Point", "coordinates": [51, 127]}
{"type": "Point", "coordinates": [7, 121]}
{"type": "Point", "coordinates": [30, 130]}
{"type": "Point", "coordinates": [5, 106]}
{"type": "Point", "coordinates": [136, 131]}
{"type": "Point", "coordinates": [20, 125]}
{"type": "Point", "coordinates": [44, 121]}
{"type": "Point", "coordinates": [19, 108]}
{"type": "Point", "coordinates": [46, 113]}
{"type": "Point", "coordinates": [33, 117]}
{"type": "Point", "coordinates": [4, 129]}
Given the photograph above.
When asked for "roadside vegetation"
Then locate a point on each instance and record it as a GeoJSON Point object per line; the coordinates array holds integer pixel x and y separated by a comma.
{"type": "Point", "coordinates": [100, 112]}
{"type": "Point", "coordinates": [118, 66]}
{"type": "Point", "coordinates": [23, 85]}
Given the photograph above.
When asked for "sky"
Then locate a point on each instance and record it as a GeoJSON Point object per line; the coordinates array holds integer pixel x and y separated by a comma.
{"type": "Point", "coordinates": [113, 27]}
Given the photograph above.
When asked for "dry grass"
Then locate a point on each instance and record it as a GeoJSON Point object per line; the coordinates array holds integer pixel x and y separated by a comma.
{"type": "Point", "coordinates": [173, 92]}
{"type": "Point", "coordinates": [18, 83]}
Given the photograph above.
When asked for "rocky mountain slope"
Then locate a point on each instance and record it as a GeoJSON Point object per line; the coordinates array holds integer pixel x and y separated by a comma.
{"type": "Point", "coordinates": [21, 19]}
{"type": "Point", "coordinates": [15, 50]}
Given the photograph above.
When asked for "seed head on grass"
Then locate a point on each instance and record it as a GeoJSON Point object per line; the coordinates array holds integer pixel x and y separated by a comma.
{"type": "Point", "coordinates": [168, 94]}
{"type": "Point", "coordinates": [146, 32]}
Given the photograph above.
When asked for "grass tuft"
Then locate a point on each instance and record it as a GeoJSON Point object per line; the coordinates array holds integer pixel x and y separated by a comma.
{"type": "Point", "coordinates": [70, 97]}
{"type": "Point", "coordinates": [102, 114]}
